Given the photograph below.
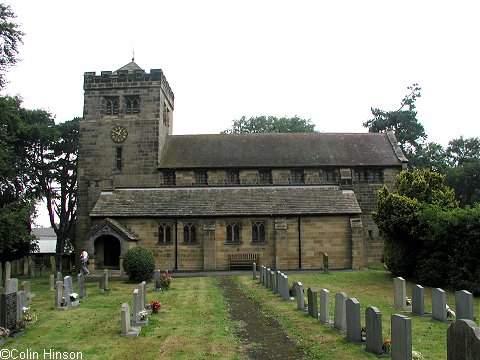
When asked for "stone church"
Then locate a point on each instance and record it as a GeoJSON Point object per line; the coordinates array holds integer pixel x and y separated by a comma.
{"type": "Point", "coordinates": [218, 202]}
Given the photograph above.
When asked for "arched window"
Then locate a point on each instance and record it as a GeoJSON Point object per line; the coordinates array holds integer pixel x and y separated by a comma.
{"type": "Point", "coordinates": [189, 233]}
{"type": "Point", "coordinates": [132, 105]}
{"type": "Point", "coordinates": [165, 233]}
{"type": "Point", "coordinates": [233, 232]}
{"type": "Point", "coordinates": [111, 105]}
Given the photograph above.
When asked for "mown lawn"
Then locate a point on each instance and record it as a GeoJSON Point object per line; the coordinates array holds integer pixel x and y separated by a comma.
{"type": "Point", "coordinates": [193, 324]}
{"type": "Point", "coordinates": [370, 288]}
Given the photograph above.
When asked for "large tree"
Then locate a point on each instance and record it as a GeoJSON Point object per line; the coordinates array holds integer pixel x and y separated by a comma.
{"type": "Point", "coordinates": [10, 38]}
{"type": "Point", "coordinates": [270, 124]}
{"type": "Point", "coordinates": [409, 131]}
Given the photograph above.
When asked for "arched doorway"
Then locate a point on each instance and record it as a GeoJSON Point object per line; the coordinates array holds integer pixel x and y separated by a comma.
{"type": "Point", "coordinates": [107, 252]}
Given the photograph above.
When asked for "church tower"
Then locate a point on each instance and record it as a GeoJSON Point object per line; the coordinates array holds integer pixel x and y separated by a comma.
{"type": "Point", "coordinates": [127, 116]}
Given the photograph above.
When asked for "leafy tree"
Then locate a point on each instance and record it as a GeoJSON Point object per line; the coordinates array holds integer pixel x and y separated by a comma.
{"type": "Point", "coordinates": [397, 215]}
{"type": "Point", "coordinates": [270, 124]}
{"type": "Point", "coordinates": [463, 150]}
{"type": "Point", "coordinates": [465, 180]}
{"type": "Point", "coordinates": [431, 156]}
{"type": "Point", "coordinates": [409, 131]}
{"type": "Point", "coordinates": [10, 38]}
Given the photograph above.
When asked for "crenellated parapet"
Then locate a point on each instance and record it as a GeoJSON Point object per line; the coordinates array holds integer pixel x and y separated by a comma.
{"type": "Point", "coordinates": [127, 78]}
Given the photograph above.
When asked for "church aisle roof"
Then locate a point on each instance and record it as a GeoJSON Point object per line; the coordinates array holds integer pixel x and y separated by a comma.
{"type": "Point", "coordinates": [280, 150]}
{"type": "Point", "coordinates": [226, 201]}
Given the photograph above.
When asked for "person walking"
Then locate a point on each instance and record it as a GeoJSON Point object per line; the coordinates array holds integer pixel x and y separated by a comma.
{"type": "Point", "coordinates": [84, 260]}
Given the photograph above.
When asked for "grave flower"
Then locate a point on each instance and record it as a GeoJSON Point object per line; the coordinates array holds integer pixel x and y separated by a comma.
{"type": "Point", "coordinates": [164, 282]}
{"type": "Point", "coordinates": [450, 312]}
{"type": "Point", "coordinates": [27, 317]}
{"type": "Point", "coordinates": [408, 301]}
{"type": "Point", "coordinates": [155, 306]}
{"type": "Point", "coordinates": [387, 346]}
{"type": "Point", "coordinates": [4, 333]}
{"type": "Point", "coordinates": [417, 355]}
{"type": "Point", "coordinates": [363, 333]}
{"type": "Point", "coordinates": [143, 315]}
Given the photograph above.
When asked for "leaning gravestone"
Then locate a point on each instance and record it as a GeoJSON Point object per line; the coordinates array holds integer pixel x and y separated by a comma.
{"type": "Point", "coordinates": [418, 300]}
{"type": "Point", "coordinates": [373, 326]}
{"type": "Point", "coordinates": [325, 308]}
{"type": "Point", "coordinates": [439, 303]}
{"type": "Point", "coordinates": [339, 319]}
{"type": "Point", "coordinates": [127, 330]}
{"type": "Point", "coordinates": [464, 305]}
{"type": "Point", "coordinates": [300, 296]}
{"type": "Point", "coordinates": [354, 325]}
{"type": "Point", "coordinates": [463, 340]}
{"type": "Point", "coordinates": [312, 302]}
{"type": "Point", "coordinates": [401, 328]}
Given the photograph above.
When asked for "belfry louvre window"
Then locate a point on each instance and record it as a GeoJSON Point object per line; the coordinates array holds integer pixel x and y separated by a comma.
{"type": "Point", "coordinates": [201, 177]}
{"type": "Point", "coordinates": [265, 176]}
{"type": "Point", "coordinates": [233, 232]}
{"type": "Point", "coordinates": [111, 105]}
{"type": "Point", "coordinates": [233, 177]}
{"type": "Point", "coordinates": [258, 232]}
{"type": "Point", "coordinates": [132, 104]}
{"type": "Point", "coordinates": [297, 176]}
{"type": "Point", "coordinates": [369, 175]}
{"type": "Point", "coordinates": [165, 233]}
{"type": "Point", "coordinates": [189, 233]}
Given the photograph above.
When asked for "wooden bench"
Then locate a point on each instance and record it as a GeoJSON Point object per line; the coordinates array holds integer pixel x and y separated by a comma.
{"type": "Point", "coordinates": [242, 261]}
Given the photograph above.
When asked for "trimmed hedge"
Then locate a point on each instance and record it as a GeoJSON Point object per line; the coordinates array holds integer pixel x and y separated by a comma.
{"type": "Point", "coordinates": [139, 264]}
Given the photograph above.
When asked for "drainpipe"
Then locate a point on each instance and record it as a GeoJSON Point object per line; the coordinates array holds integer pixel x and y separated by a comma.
{"type": "Point", "coordinates": [299, 245]}
{"type": "Point", "coordinates": [176, 247]}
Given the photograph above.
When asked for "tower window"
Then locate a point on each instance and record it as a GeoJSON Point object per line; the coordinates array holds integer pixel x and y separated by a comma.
{"type": "Point", "coordinates": [132, 104]}
{"type": "Point", "coordinates": [265, 176]}
{"type": "Point", "coordinates": [111, 105]}
{"type": "Point", "coordinates": [118, 158]}
{"type": "Point", "coordinates": [190, 233]}
{"type": "Point", "coordinates": [298, 176]}
{"type": "Point", "coordinates": [233, 177]}
{"type": "Point", "coordinates": [201, 177]}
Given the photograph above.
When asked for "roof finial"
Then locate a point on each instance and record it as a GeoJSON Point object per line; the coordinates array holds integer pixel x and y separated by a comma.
{"type": "Point", "coordinates": [133, 54]}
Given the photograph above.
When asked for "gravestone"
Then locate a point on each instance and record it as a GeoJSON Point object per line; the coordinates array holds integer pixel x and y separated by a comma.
{"type": "Point", "coordinates": [8, 305]}
{"type": "Point", "coordinates": [51, 281]}
{"type": "Point", "coordinates": [11, 286]}
{"type": "Point", "coordinates": [137, 307]}
{"type": "Point", "coordinates": [53, 267]}
{"type": "Point", "coordinates": [68, 284]}
{"type": "Point", "coordinates": [300, 296]}
{"type": "Point", "coordinates": [263, 277]}
{"type": "Point", "coordinates": [312, 302]}
{"type": "Point", "coordinates": [464, 305]}
{"type": "Point", "coordinates": [373, 326]}
{"type": "Point", "coordinates": [103, 284]}
{"type": "Point", "coordinates": [354, 324]}
{"type": "Point", "coordinates": [340, 314]}
{"type": "Point", "coordinates": [26, 288]}
{"type": "Point", "coordinates": [8, 271]}
{"type": "Point", "coordinates": [22, 302]}
{"type": "Point", "coordinates": [156, 278]}
{"type": "Point", "coordinates": [325, 308]}
{"type": "Point", "coordinates": [439, 302]}
{"type": "Point", "coordinates": [143, 294]}
{"type": "Point", "coordinates": [82, 293]}
{"type": "Point", "coordinates": [254, 271]}
{"type": "Point", "coordinates": [418, 300]}
{"type": "Point", "coordinates": [59, 276]}
{"type": "Point", "coordinates": [267, 278]}
{"type": "Point", "coordinates": [43, 270]}
{"type": "Point", "coordinates": [127, 330]}
{"type": "Point", "coordinates": [326, 267]}
{"type": "Point", "coordinates": [400, 294]}
{"type": "Point", "coordinates": [278, 282]}
{"type": "Point", "coordinates": [59, 304]}
{"type": "Point", "coordinates": [272, 280]}
{"type": "Point", "coordinates": [285, 288]}
{"type": "Point", "coordinates": [31, 269]}
{"type": "Point", "coordinates": [25, 266]}
{"type": "Point", "coordinates": [463, 340]}
{"type": "Point", "coordinates": [401, 329]}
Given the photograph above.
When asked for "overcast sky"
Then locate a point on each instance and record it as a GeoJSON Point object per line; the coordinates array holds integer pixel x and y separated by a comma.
{"type": "Point", "coordinates": [328, 61]}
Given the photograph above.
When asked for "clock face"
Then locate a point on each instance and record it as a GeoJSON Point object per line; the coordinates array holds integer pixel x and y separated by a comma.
{"type": "Point", "coordinates": [119, 134]}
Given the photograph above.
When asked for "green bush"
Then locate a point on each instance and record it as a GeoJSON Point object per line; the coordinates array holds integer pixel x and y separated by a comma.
{"type": "Point", "coordinates": [139, 264]}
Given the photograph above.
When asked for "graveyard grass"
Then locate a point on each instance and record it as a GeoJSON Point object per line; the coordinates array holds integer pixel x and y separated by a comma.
{"type": "Point", "coordinates": [370, 288]}
{"type": "Point", "coordinates": [194, 321]}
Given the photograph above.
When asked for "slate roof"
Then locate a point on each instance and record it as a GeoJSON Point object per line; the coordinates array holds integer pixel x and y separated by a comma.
{"type": "Point", "coordinates": [281, 150]}
{"type": "Point", "coordinates": [131, 66]}
{"type": "Point", "coordinates": [226, 201]}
